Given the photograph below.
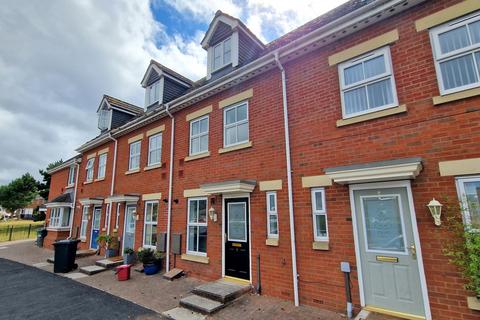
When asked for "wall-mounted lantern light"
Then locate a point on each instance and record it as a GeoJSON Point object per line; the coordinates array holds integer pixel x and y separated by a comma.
{"type": "Point", "coordinates": [212, 214]}
{"type": "Point", "coordinates": [435, 208]}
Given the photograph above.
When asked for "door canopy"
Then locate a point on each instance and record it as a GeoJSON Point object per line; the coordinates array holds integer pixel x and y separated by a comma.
{"type": "Point", "coordinates": [226, 187]}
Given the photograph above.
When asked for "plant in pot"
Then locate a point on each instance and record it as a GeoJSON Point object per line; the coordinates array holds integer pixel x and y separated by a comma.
{"type": "Point", "coordinates": [150, 260]}
{"type": "Point", "coordinates": [110, 243]}
{"type": "Point", "coordinates": [128, 256]}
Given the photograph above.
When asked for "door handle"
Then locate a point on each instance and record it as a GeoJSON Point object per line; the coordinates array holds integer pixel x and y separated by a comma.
{"type": "Point", "coordinates": [413, 250]}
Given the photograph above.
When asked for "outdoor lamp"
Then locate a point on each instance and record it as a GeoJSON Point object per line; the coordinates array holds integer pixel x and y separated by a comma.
{"type": "Point", "coordinates": [212, 214]}
{"type": "Point", "coordinates": [435, 208]}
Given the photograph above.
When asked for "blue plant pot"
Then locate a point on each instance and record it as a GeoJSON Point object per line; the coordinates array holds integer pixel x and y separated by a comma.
{"type": "Point", "coordinates": [150, 269]}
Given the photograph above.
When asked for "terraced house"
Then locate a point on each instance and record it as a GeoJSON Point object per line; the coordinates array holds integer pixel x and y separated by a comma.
{"type": "Point", "coordinates": [288, 158]}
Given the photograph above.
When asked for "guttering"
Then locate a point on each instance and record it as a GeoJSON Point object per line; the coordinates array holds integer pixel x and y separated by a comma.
{"type": "Point", "coordinates": [112, 186]}
{"type": "Point", "coordinates": [77, 168]}
{"type": "Point", "coordinates": [170, 185]}
{"type": "Point", "coordinates": [289, 179]}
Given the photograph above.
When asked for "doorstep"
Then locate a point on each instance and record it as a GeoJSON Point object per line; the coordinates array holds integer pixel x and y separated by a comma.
{"type": "Point", "coordinates": [91, 270]}
{"type": "Point", "coordinates": [109, 264]}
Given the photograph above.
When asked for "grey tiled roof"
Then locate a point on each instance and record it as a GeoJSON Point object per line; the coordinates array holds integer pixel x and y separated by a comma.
{"type": "Point", "coordinates": [123, 105]}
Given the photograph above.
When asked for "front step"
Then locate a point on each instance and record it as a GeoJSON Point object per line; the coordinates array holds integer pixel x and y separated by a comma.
{"type": "Point", "coordinates": [180, 313]}
{"type": "Point", "coordinates": [91, 270]}
{"type": "Point", "coordinates": [109, 264]}
{"type": "Point", "coordinates": [222, 290]}
{"type": "Point", "coordinates": [201, 304]}
{"type": "Point", "coordinates": [84, 253]}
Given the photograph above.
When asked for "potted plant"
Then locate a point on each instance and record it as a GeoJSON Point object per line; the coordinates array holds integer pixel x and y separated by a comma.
{"type": "Point", "coordinates": [128, 256]}
{"type": "Point", "coordinates": [110, 243]}
{"type": "Point", "coordinates": [151, 260]}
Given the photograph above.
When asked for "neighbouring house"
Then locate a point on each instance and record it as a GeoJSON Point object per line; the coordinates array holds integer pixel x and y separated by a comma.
{"type": "Point", "coordinates": [319, 149]}
{"type": "Point", "coordinates": [27, 212]}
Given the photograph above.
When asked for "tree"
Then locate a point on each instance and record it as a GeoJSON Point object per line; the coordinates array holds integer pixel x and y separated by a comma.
{"type": "Point", "coordinates": [18, 193]}
{"type": "Point", "coordinates": [44, 185]}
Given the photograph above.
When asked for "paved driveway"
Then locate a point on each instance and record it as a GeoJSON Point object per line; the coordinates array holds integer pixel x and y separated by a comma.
{"type": "Point", "coordinates": [30, 293]}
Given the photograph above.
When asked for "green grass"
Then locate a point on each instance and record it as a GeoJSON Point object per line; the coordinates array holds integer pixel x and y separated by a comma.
{"type": "Point", "coordinates": [20, 229]}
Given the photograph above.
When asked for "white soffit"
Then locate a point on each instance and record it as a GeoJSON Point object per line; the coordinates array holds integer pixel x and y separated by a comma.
{"type": "Point", "coordinates": [399, 169]}
{"type": "Point", "coordinates": [226, 187]}
{"type": "Point", "coordinates": [90, 201]}
{"type": "Point", "coordinates": [122, 198]}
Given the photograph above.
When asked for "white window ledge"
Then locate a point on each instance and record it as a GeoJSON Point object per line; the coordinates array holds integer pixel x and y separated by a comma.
{"type": "Point", "coordinates": [195, 258]}
{"type": "Point", "coordinates": [153, 166]}
{"type": "Point", "coordinates": [321, 245]}
{"type": "Point", "coordinates": [236, 147]}
{"type": "Point", "coordinates": [88, 182]}
{"type": "Point", "coordinates": [456, 96]}
{"type": "Point", "coordinates": [70, 186]}
{"type": "Point", "coordinates": [273, 242]}
{"type": "Point", "coordinates": [372, 115]}
{"type": "Point", "coordinates": [132, 171]}
{"type": "Point", "coordinates": [99, 179]}
{"type": "Point", "coordinates": [58, 229]}
{"type": "Point", "coordinates": [197, 156]}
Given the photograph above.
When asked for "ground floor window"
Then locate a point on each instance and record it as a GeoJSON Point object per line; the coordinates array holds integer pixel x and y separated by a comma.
{"type": "Point", "coordinates": [272, 215]}
{"type": "Point", "coordinates": [320, 225]}
{"type": "Point", "coordinates": [469, 192]}
{"type": "Point", "coordinates": [151, 221]}
{"type": "Point", "coordinates": [60, 217]}
{"type": "Point", "coordinates": [117, 218]}
{"type": "Point", "coordinates": [83, 225]}
{"type": "Point", "coordinates": [197, 226]}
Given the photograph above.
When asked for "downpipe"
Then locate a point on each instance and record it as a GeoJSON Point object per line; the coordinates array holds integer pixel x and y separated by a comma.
{"type": "Point", "coordinates": [289, 179]}
{"type": "Point", "coordinates": [170, 186]}
{"type": "Point", "coordinates": [74, 204]}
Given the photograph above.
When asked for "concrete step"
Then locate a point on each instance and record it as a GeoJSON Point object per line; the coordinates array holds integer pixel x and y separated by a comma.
{"type": "Point", "coordinates": [109, 264]}
{"type": "Point", "coordinates": [201, 304]}
{"type": "Point", "coordinates": [51, 260]}
{"type": "Point", "coordinates": [172, 274]}
{"type": "Point", "coordinates": [222, 290]}
{"type": "Point", "coordinates": [180, 313]}
{"type": "Point", "coordinates": [91, 270]}
{"type": "Point", "coordinates": [85, 253]}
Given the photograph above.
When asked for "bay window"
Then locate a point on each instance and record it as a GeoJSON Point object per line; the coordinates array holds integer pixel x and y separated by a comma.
{"type": "Point", "coordinates": [60, 217]}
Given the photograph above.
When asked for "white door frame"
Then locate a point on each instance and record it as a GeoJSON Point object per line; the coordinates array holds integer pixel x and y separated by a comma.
{"type": "Point", "coordinates": [416, 238]}
{"type": "Point", "coordinates": [232, 196]}
{"type": "Point", "coordinates": [125, 226]}
{"type": "Point", "coordinates": [93, 220]}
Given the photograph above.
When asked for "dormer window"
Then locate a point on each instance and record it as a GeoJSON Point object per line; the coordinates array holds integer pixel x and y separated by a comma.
{"type": "Point", "coordinates": [104, 117]}
{"type": "Point", "coordinates": [152, 94]}
{"type": "Point", "coordinates": [222, 54]}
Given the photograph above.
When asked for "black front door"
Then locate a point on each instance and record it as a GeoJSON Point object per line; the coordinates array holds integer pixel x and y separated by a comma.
{"type": "Point", "coordinates": [237, 253]}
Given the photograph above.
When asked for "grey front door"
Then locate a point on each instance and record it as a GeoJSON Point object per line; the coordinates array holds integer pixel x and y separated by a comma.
{"type": "Point", "coordinates": [390, 271]}
{"type": "Point", "coordinates": [129, 228]}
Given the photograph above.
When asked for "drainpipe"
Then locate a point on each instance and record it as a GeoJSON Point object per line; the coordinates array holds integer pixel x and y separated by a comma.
{"type": "Point", "coordinates": [170, 186]}
{"type": "Point", "coordinates": [77, 168]}
{"type": "Point", "coordinates": [114, 169]}
{"type": "Point", "coordinates": [289, 179]}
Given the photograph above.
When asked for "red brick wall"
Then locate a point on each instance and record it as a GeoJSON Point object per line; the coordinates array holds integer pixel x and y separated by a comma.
{"type": "Point", "coordinates": [53, 236]}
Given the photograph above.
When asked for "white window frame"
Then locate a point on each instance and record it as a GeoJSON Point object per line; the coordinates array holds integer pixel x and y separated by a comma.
{"type": "Point", "coordinates": [196, 224]}
{"type": "Point", "coordinates": [56, 218]}
{"type": "Point", "coordinates": [388, 74]}
{"type": "Point", "coordinates": [117, 218]}
{"type": "Point", "coordinates": [316, 212]}
{"type": "Point", "coordinates": [104, 119]}
{"type": "Point", "coordinates": [439, 57]}
{"type": "Point", "coordinates": [199, 135]}
{"type": "Point", "coordinates": [159, 149]}
{"type": "Point", "coordinates": [132, 155]}
{"type": "Point", "coordinates": [154, 86]}
{"type": "Point", "coordinates": [107, 216]}
{"type": "Point", "coordinates": [221, 45]}
{"type": "Point", "coordinates": [102, 166]}
{"type": "Point", "coordinates": [272, 213]}
{"type": "Point", "coordinates": [152, 223]}
{"type": "Point", "coordinates": [89, 169]}
{"type": "Point", "coordinates": [84, 222]}
{"type": "Point", "coordinates": [467, 218]}
{"type": "Point", "coordinates": [235, 124]}
{"type": "Point", "coordinates": [71, 176]}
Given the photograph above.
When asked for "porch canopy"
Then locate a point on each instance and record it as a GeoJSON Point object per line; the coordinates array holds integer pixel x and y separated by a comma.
{"type": "Point", "coordinates": [63, 200]}
{"type": "Point", "coordinates": [398, 169]}
{"type": "Point", "coordinates": [91, 201]}
{"type": "Point", "coordinates": [228, 187]}
{"type": "Point", "coordinates": [132, 197]}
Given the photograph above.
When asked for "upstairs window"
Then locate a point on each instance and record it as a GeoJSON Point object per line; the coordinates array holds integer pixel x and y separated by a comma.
{"type": "Point", "coordinates": [235, 122]}
{"type": "Point", "coordinates": [367, 84]}
{"type": "Point", "coordinates": [320, 227]}
{"type": "Point", "coordinates": [104, 119]}
{"type": "Point", "coordinates": [152, 94]}
{"type": "Point", "coordinates": [89, 169]}
{"type": "Point", "coordinates": [199, 135]}
{"type": "Point", "coordinates": [102, 165]}
{"type": "Point", "coordinates": [456, 49]}
{"type": "Point", "coordinates": [222, 54]}
{"type": "Point", "coordinates": [134, 159]}
{"type": "Point", "coordinates": [154, 149]}
{"type": "Point", "coordinates": [71, 176]}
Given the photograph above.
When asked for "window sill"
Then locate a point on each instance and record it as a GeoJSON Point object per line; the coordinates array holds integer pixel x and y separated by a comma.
{"type": "Point", "coordinates": [194, 258]}
{"type": "Point", "coordinates": [69, 186]}
{"type": "Point", "coordinates": [83, 240]}
{"type": "Point", "coordinates": [197, 156]}
{"type": "Point", "coordinates": [153, 166]}
{"type": "Point", "coordinates": [473, 303]}
{"type": "Point", "coordinates": [236, 147]}
{"type": "Point", "coordinates": [88, 182]}
{"type": "Point", "coordinates": [132, 171]}
{"type": "Point", "coordinates": [99, 179]}
{"type": "Point", "coordinates": [273, 242]}
{"type": "Point", "coordinates": [321, 245]}
{"type": "Point", "coordinates": [371, 116]}
{"type": "Point", "coordinates": [456, 96]}
{"type": "Point", "coordinates": [58, 229]}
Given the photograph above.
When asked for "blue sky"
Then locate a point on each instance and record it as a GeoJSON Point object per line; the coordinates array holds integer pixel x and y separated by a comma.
{"type": "Point", "coordinates": [59, 57]}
